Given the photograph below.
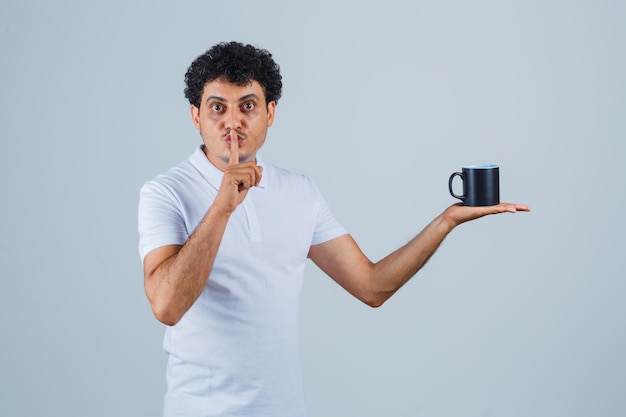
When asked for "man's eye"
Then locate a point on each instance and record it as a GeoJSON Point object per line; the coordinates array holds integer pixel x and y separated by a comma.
{"type": "Point", "coordinates": [217, 107]}
{"type": "Point", "coordinates": [248, 106]}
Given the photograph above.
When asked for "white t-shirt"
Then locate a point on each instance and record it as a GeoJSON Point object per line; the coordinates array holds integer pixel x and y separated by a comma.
{"type": "Point", "coordinates": [236, 352]}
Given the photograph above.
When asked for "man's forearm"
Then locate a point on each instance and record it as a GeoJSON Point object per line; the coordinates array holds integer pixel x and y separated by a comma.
{"type": "Point", "coordinates": [388, 275]}
{"type": "Point", "coordinates": [392, 272]}
{"type": "Point", "coordinates": [174, 284]}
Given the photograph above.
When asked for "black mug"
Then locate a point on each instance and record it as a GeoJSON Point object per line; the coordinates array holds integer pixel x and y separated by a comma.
{"type": "Point", "coordinates": [481, 185]}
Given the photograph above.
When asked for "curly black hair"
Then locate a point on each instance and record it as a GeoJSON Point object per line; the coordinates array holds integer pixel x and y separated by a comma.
{"type": "Point", "coordinates": [239, 64]}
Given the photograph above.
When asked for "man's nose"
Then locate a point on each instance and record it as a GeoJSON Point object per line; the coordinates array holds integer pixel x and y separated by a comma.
{"type": "Point", "coordinates": [233, 119]}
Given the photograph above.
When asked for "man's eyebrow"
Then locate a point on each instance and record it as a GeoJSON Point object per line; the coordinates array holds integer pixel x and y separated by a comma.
{"type": "Point", "coordinates": [216, 98]}
{"type": "Point", "coordinates": [248, 97]}
{"type": "Point", "coordinates": [244, 98]}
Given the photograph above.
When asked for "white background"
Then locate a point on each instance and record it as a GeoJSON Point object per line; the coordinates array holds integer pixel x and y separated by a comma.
{"type": "Point", "coordinates": [515, 315]}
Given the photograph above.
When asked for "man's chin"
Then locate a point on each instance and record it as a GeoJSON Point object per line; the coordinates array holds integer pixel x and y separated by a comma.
{"type": "Point", "coordinates": [242, 158]}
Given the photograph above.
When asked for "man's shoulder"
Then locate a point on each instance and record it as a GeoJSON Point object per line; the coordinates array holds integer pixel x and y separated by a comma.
{"type": "Point", "coordinates": [182, 173]}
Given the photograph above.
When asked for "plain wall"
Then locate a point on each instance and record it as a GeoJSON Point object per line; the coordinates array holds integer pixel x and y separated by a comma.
{"type": "Point", "coordinates": [515, 315]}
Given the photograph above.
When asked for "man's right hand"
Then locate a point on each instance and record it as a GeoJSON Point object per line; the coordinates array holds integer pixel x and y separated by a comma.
{"type": "Point", "coordinates": [237, 180]}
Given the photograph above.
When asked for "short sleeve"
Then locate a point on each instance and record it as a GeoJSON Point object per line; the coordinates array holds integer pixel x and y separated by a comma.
{"type": "Point", "coordinates": [327, 227]}
{"type": "Point", "coordinates": [160, 219]}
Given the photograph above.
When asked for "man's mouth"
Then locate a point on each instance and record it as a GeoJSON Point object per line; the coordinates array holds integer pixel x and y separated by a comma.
{"type": "Point", "coordinates": [240, 139]}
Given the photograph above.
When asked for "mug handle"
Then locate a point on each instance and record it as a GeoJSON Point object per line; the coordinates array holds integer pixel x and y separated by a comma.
{"type": "Point", "coordinates": [460, 197]}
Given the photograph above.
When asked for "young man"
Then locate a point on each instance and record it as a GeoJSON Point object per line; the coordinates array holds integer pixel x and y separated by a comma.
{"type": "Point", "coordinates": [224, 238]}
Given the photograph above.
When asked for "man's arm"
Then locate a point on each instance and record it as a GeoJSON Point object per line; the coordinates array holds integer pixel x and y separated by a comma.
{"type": "Point", "coordinates": [374, 283]}
{"type": "Point", "coordinates": [175, 275]}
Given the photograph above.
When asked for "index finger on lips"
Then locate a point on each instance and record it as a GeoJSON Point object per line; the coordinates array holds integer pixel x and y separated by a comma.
{"type": "Point", "coordinates": [234, 149]}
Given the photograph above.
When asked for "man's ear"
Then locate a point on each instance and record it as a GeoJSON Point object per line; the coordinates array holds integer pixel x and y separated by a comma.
{"type": "Point", "coordinates": [195, 116]}
{"type": "Point", "coordinates": [271, 108]}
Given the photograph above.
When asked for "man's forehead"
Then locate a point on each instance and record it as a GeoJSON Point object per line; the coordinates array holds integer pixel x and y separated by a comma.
{"type": "Point", "coordinates": [225, 89]}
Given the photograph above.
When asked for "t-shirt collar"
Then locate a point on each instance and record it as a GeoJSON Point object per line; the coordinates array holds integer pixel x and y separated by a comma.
{"type": "Point", "coordinates": [212, 174]}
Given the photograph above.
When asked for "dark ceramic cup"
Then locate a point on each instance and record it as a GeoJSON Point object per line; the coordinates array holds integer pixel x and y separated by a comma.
{"type": "Point", "coordinates": [481, 185]}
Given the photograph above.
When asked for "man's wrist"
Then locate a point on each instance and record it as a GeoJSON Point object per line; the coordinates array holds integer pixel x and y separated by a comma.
{"type": "Point", "coordinates": [447, 221]}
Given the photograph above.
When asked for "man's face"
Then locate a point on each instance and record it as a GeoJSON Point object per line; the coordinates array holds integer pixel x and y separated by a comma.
{"type": "Point", "coordinates": [224, 107]}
